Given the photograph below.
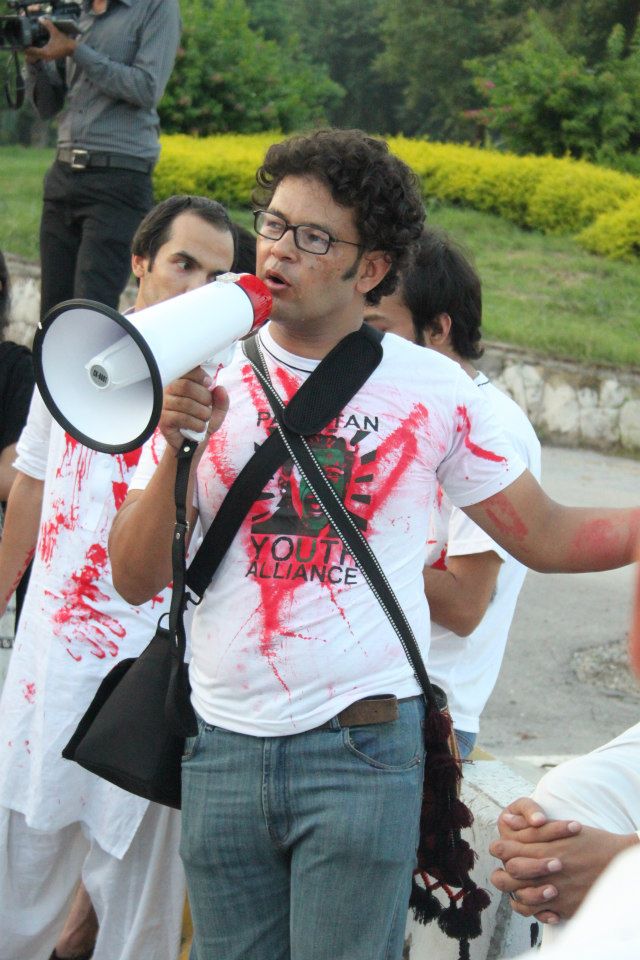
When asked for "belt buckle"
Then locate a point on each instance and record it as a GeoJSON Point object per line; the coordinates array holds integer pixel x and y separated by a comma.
{"type": "Point", "coordinates": [79, 159]}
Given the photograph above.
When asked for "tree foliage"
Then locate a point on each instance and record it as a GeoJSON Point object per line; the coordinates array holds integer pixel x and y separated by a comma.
{"type": "Point", "coordinates": [229, 77]}
{"type": "Point", "coordinates": [545, 99]}
{"type": "Point", "coordinates": [549, 76]}
{"type": "Point", "coordinates": [345, 37]}
{"type": "Point", "coordinates": [425, 47]}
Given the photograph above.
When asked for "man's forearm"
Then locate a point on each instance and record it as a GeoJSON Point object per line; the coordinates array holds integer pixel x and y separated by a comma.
{"type": "Point", "coordinates": [142, 534]}
{"type": "Point", "coordinates": [553, 538]}
{"type": "Point", "coordinates": [20, 533]}
{"type": "Point", "coordinates": [459, 596]}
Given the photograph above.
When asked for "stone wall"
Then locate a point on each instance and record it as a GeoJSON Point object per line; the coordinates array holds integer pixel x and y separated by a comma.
{"type": "Point", "coordinates": [569, 404]}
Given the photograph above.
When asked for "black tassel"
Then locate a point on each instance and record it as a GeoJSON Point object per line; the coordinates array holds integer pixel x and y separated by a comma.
{"type": "Point", "coordinates": [464, 953]}
{"type": "Point", "coordinates": [426, 907]}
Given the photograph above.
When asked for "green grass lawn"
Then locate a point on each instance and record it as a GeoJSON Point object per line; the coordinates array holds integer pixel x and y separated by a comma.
{"type": "Point", "coordinates": [540, 292]}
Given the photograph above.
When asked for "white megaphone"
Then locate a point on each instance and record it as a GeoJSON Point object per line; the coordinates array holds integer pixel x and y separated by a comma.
{"type": "Point", "coordinates": [102, 374]}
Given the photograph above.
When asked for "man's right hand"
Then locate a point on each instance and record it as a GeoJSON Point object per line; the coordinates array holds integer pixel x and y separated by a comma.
{"type": "Point", "coordinates": [550, 865]}
{"type": "Point", "coordinates": [190, 404]}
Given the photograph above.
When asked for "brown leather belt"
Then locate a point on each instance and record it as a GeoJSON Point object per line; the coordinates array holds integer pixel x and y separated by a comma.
{"type": "Point", "coordinates": [81, 159]}
{"type": "Point", "coordinates": [362, 713]}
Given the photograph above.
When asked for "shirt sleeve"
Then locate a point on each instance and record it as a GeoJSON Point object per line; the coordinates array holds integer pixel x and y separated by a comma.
{"type": "Point", "coordinates": [479, 461]}
{"type": "Point", "coordinates": [33, 445]}
{"type": "Point", "coordinates": [467, 538]}
{"type": "Point", "coordinates": [142, 82]}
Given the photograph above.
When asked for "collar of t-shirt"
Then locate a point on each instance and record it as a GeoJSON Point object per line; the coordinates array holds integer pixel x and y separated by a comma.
{"type": "Point", "coordinates": [304, 365]}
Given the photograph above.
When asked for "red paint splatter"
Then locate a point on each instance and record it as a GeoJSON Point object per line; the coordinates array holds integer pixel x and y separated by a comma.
{"type": "Point", "coordinates": [605, 542]}
{"type": "Point", "coordinates": [119, 492]}
{"type": "Point", "coordinates": [50, 529]}
{"type": "Point", "coordinates": [288, 383]}
{"type": "Point", "coordinates": [25, 563]}
{"type": "Point", "coordinates": [71, 445]}
{"type": "Point", "coordinates": [440, 563]}
{"type": "Point", "coordinates": [439, 496]}
{"type": "Point", "coordinates": [28, 691]}
{"type": "Point", "coordinates": [464, 423]}
{"type": "Point", "coordinates": [395, 456]}
{"type": "Point", "coordinates": [132, 458]}
{"type": "Point", "coordinates": [157, 436]}
{"type": "Point", "coordinates": [157, 599]}
{"type": "Point", "coordinates": [79, 622]}
{"type": "Point", "coordinates": [501, 511]}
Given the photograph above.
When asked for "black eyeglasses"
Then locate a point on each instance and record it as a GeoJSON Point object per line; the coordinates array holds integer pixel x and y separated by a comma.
{"type": "Point", "coordinates": [307, 238]}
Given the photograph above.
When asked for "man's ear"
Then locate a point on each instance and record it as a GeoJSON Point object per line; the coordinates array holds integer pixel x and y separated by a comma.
{"type": "Point", "coordinates": [374, 267]}
{"type": "Point", "coordinates": [139, 265]}
{"type": "Point", "coordinates": [438, 333]}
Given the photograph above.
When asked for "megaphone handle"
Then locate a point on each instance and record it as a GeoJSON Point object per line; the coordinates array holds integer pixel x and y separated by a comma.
{"type": "Point", "coordinates": [212, 368]}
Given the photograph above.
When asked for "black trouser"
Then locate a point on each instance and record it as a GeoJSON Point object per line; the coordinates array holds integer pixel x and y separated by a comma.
{"type": "Point", "coordinates": [88, 220]}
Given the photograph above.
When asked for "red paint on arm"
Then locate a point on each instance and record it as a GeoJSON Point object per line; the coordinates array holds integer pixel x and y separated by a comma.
{"type": "Point", "coordinates": [501, 511]}
{"type": "Point", "coordinates": [603, 543]}
{"type": "Point", "coordinates": [14, 586]}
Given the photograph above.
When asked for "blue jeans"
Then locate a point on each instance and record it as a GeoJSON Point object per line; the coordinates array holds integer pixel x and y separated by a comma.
{"type": "Point", "coordinates": [302, 847]}
{"type": "Point", "coordinates": [466, 742]}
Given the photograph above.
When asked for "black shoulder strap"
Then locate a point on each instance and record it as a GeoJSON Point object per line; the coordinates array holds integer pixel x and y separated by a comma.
{"type": "Point", "coordinates": [320, 399]}
{"type": "Point", "coordinates": [344, 525]}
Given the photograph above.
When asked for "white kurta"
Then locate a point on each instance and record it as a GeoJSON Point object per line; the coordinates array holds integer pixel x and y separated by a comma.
{"type": "Point", "coordinates": [467, 667]}
{"type": "Point", "coordinates": [74, 628]}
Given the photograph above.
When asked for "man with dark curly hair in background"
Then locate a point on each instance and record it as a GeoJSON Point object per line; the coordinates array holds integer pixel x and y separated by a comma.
{"type": "Point", "coordinates": [302, 789]}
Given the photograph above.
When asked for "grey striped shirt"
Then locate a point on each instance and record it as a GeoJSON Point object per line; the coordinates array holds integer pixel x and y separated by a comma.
{"type": "Point", "coordinates": [112, 84]}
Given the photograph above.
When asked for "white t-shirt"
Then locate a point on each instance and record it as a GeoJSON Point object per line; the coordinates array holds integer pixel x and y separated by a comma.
{"type": "Point", "coordinates": [74, 628]}
{"type": "Point", "coordinates": [600, 789]}
{"type": "Point", "coordinates": [467, 667]}
{"type": "Point", "coordinates": [289, 633]}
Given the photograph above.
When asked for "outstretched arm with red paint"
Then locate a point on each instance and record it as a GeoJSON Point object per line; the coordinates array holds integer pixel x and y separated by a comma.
{"type": "Point", "coordinates": [20, 533]}
{"type": "Point", "coordinates": [553, 538]}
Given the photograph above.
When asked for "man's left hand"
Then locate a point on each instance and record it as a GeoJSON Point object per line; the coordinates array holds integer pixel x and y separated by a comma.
{"type": "Point", "coordinates": [60, 45]}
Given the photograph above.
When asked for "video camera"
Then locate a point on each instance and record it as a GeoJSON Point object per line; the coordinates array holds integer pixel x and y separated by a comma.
{"type": "Point", "coordinates": [23, 29]}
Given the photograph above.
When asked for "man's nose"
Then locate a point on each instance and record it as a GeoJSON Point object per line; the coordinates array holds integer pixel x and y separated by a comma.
{"type": "Point", "coordinates": [285, 247]}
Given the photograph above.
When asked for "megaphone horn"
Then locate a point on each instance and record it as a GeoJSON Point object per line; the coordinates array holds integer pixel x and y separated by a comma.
{"type": "Point", "coordinates": [101, 374]}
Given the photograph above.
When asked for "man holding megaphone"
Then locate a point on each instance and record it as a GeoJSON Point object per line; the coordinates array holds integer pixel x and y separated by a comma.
{"type": "Point", "coordinates": [301, 792]}
{"type": "Point", "coordinates": [59, 823]}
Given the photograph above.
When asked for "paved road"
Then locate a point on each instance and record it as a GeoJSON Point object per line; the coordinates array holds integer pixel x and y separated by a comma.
{"type": "Point", "coordinates": [540, 708]}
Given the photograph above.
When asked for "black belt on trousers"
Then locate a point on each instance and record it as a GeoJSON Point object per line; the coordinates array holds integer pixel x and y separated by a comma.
{"type": "Point", "coordinates": [81, 159]}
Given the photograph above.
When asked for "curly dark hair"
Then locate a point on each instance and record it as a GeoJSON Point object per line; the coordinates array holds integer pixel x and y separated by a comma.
{"type": "Point", "coordinates": [440, 279]}
{"type": "Point", "coordinates": [361, 174]}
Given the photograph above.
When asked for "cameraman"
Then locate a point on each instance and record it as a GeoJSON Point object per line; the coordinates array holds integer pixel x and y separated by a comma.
{"type": "Point", "coordinates": [107, 81]}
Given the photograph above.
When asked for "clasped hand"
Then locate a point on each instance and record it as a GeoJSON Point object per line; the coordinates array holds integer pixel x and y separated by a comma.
{"type": "Point", "coordinates": [550, 865]}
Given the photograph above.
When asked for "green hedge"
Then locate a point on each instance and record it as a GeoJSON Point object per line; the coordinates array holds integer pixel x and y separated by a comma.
{"type": "Point", "coordinates": [559, 196]}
